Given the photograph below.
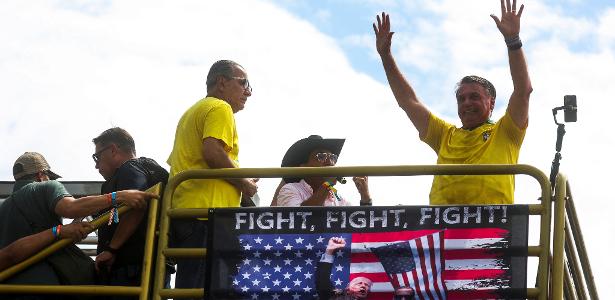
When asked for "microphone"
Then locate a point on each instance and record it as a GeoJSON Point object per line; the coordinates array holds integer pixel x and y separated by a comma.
{"type": "Point", "coordinates": [341, 179]}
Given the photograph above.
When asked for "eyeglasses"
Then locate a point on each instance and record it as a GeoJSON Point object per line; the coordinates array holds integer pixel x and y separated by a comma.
{"type": "Point", "coordinates": [324, 156]}
{"type": "Point", "coordinates": [245, 83]}
{"type": "Point", "coordinates": [96, 156]}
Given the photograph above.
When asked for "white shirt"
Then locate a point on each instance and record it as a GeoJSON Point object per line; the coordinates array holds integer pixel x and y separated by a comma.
{"type": "Point", "coordinates": [294, 193]}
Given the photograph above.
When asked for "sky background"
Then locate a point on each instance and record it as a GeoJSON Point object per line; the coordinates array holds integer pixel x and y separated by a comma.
{"type": "Point", "coordinates": [71, 69]}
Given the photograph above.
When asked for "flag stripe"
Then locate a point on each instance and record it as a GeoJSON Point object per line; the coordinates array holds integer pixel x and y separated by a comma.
{"type": "Point", "coordinates": [365, 255]}
{"type": "Point", "coordinates": [473, 294]}
{"type": "Point", "coordinates": [425, 272]}
{"type": "Point", "coordinates": [437, 264]}
{"type": "Point", "coordinates": [470, 233]}
{"type": "Point", "coordinates": [448, 276]}
{"type": "Point", "coordinates": [482, 284]}
{"type": "Point", "coordinates": [450, 264]}
{"type": "Point", "coordinates": [449, 244]}
{"type": "Point", "coordinates": [472, 253]}
{"type": "Point", "coordinates": [482, 243]}
{"type": "Point", "coordinates": [473, 274]}
{"type": "Point", "coordinates": [451, 285]}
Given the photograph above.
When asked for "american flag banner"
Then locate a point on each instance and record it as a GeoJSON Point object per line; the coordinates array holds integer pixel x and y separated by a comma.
{"type": "Point", "coordinates": [476, 265]}
{"type": "Point", "coordinates": [415, 264]}
{"type": "Point", "coordinates": [475, 252]}
{"type": "Point", "coordinates": [283, 266]}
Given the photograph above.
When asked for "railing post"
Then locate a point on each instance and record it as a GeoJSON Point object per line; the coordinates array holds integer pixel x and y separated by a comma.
{"type": "Point", "coordinates": [150, 236]}
{"type": "Point", "coordinates": [559, 237]}
{"type": "Point", "coordinates": [580, 244]}
{"type": "Point", "coordinates": [163, 237]}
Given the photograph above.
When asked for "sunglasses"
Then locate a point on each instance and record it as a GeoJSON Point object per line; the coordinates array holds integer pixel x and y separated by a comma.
{"type": "Point", "coordinates": [324, 156]}
{"type": "Point", "coordinates": [245, 83]}
{"type": "Point", "coordinates": [96, 156]}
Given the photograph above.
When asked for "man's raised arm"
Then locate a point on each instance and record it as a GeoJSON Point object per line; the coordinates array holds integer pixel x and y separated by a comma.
{"type": "Point", "coordinates": [509, 26]}
{"type": "Point", "coordinates": [403, 92]}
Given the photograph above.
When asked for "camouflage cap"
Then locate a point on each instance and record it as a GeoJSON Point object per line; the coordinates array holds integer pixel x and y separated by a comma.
{"type": "Point", "coordinates": [32, 163]}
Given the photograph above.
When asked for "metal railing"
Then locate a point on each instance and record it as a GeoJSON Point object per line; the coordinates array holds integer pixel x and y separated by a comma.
{"type": "Point", "coordinates": [580, 283]}
{"type": "Point", "coordinates": [142, 290]}
{"type": "Point", "coordinates": [543, 210]}
{"type": "Point", "coordinates": [569, 278]}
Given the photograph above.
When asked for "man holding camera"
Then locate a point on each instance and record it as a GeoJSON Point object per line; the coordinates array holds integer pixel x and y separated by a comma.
{"type": "Point", "coordinates": [479, 140]}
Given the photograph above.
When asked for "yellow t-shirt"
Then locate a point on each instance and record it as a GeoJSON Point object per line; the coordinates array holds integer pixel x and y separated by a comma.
{"type": "Point", "coordinates": [209, 117]}
{"type": "Point", "coordinates": [490, 143]}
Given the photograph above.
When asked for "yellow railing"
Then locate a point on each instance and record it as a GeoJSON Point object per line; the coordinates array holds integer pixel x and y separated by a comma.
{"type": "Point", "coordinates": [578, 272]}
{"type": "Point", "coordinates": [563, 277]}
{"type": "Point", "coordinates": [543, 209]}
{"type": "Point", "coordinates": [142, 290]}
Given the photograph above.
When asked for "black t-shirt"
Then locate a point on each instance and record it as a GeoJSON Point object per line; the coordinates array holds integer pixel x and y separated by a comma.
{"type": "Point", "coordinates": [127, 177]}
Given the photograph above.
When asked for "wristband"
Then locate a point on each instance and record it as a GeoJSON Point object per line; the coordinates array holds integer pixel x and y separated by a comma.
{"type": "Point", "coordinates": [54, 231]}
{"type": "Point", "coordinates": [109, 199]}
{"type": "Point", "coordinates": [59, 231]}
{"type": "Point", "coordinates": [114, 215]}
{"type": "Point", "coordinates": [513, 43]}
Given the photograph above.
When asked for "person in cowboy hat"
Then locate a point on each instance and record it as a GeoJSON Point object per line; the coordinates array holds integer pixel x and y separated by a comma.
{"type": "Point", "coordinates": [314, 151]}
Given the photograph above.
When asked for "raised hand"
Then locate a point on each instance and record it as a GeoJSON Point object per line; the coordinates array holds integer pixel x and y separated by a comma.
{"type": "Point", "coordinates": [334, 244]}
{"type": "Point", "coordinates": [510, 24]}
{"type": "Point", "coordinates": [383, 34]}
{"type": "Point", "coordinates": [361, 183]}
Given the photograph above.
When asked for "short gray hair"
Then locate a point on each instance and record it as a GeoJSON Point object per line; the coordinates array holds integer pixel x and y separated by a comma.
{"type": "Point", "coordinates": [220, 68]}
{"type": "Point", "coordinates": [117, 136]}
{"type": "Point", "coordinates": [479, 80]}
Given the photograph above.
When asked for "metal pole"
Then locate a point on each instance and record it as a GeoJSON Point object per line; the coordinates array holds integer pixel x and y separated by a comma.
{"type": "Point", "coordinates": [580, 245]}
{"type": "Point", "coordinates": [558, 238]}
{"type": "Point", "coordinates": [150, 236]}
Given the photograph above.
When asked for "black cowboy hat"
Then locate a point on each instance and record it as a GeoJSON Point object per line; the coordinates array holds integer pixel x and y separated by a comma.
{"type": "Point", "coordinates": [298, 153]}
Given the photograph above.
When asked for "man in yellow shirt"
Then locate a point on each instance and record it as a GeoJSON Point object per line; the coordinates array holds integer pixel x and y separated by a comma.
{"type": "Point", "coordinates": [206, 138]}
{"type": "Point", "coordinates": [479, 140]}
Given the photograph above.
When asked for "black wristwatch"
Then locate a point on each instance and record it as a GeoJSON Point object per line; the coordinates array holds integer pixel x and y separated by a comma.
{"type": "Point", "coordinates": [110, 250]}
{"type": "Point", "coordinates": [366, 203]}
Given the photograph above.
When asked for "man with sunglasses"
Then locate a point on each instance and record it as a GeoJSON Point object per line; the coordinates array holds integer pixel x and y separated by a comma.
{"type": "Point", "coordinates": [39, 202]}
{"type": "Point", "coordinates": [314, 151]}
{"type": "Point", "coordinates": [121, 244]}
{"type": "Point", "coordinates": [206, 138]}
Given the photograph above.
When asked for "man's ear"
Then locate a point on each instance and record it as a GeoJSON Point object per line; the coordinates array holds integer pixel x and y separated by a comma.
{"type": "Point", "coordinates": [114, 148]}
{"type": "Point", "coordinates": [492, 103]}
{"type": "Point", "coordinates": [220, 83]}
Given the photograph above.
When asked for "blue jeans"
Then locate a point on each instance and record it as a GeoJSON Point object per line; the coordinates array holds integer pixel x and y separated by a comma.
{"type": "Point", "coordinates": [189, 233]}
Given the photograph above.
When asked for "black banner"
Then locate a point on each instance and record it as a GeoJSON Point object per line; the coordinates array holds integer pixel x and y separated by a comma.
{"type": "Point", "coordinates": [402, 252]}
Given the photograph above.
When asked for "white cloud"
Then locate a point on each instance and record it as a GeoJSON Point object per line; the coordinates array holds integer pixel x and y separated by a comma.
{"type": "Point", "coordinates": [69, 74]}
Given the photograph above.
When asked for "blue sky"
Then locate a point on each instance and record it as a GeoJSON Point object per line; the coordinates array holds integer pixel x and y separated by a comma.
{"type": "Point", "coordinates": [71, 69]}
{"type": "Point", "coordinates": [343, 18]}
